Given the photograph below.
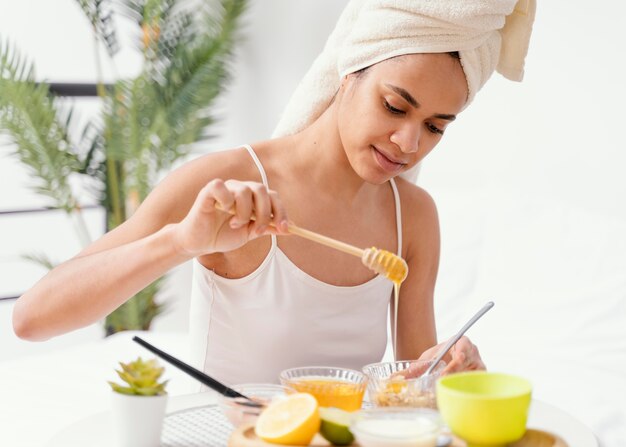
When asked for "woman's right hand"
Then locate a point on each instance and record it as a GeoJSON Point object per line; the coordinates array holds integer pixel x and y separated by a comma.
{"type": "Point", "coordinates": [207, 229]}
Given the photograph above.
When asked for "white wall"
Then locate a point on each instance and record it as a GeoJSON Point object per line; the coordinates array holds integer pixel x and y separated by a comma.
{"type": "Point", "coordinates": [558, 137]}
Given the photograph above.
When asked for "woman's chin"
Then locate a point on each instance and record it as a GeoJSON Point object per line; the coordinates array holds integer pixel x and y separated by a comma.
{"type": "Point", "coordinates": [374, 176]}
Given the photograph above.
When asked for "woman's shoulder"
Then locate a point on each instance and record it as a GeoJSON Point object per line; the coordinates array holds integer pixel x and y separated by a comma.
{"type": "Point", "coordinates": [233, 163]}
{"type": "Point", "coordinates": [416, 201]}
{"type": "Point", "coordinates": [420, 221]}
{"type": "Point", "coordinates": [174, 195]}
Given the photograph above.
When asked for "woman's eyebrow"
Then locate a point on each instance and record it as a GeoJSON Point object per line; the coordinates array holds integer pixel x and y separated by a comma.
{"type": "Point", "coordinates": [412, 101]}
{"type": "Point", "coordinates": [406, 95]}
{"type": "Point", "coordinates": [445, 116]}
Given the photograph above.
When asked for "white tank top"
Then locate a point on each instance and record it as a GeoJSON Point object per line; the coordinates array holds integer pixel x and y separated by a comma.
{"type": "Point", "coordinates": [247, 330]}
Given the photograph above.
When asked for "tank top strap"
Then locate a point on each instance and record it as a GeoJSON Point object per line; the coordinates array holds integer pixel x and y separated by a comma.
{"type": "Point", "coordinates": [259, 166]}
{"type": "Point", "coordinates": [396, 197]}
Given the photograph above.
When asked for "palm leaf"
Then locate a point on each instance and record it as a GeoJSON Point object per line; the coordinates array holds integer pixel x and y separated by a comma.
{"type": "Point", "coordinates": [193, 78]}
{"type": "Point", "coordinates": [156, 117]}
{"type": "Point", "coordinates": [28, 115]}
{"type": "Point", "coordinates": [100, 15]}
{"type": "Point", "coordinates": [41, 260]}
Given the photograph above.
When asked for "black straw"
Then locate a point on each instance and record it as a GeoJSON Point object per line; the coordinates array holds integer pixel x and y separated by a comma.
{"type": "Point", "coordinates": [193, 372]}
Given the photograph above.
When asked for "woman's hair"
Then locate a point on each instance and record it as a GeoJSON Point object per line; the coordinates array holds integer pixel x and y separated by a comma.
{"type": "Point", "coordinates": [359, 73]}
{"type": "Point", "coordinates": [455, 54]}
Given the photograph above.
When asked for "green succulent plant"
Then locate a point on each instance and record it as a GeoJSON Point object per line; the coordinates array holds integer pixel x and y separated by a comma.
{"type": "Point", "coordinates": [142, 378]}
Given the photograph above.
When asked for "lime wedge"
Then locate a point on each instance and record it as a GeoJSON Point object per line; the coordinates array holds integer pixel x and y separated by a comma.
{"type": "Point", "coordinates": [335, 426]}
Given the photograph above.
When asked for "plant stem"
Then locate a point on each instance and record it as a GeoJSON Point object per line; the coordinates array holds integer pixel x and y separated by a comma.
{"type": "Point", "coordinates": [111, 176]}
{"type": "Point", "coordinates": [81, 228]}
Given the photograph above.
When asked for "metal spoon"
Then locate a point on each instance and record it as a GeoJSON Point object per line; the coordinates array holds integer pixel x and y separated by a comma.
{"type": "Point", "coordinates": [456, 338]}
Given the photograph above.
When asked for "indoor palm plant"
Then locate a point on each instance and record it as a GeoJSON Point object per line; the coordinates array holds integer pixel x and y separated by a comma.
{"type": "Point", "coordinates": [145, 125]}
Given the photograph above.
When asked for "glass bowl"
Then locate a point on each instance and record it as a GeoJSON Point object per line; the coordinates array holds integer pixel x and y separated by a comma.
{"type": "Point", "coordinates": [332, 387]}
{"type": "Point", "coordinates": [239, 414]}
{"type": "Point", "coordinates": [398, 384]}
{"type": "Point", "coordinates": [396, 427]}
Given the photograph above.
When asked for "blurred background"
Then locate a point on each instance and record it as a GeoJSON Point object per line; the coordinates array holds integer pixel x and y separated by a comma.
{"type": "Point", "coordinates": [529, 183]}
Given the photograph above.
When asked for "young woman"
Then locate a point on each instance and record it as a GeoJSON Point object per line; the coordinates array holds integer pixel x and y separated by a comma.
{"type": "Point", "coordinates": [262, 300]}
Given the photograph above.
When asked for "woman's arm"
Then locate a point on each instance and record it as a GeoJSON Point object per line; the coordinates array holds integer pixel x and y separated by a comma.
{"type": "Point", "coordinates": [177, 222]}
{"type": "Point", "coordinates": [86, 288]}
{"type": "Point", "coordinates": [416, 322]}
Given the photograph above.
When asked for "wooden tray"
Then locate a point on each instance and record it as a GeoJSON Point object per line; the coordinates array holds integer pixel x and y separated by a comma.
{"type": "Point", "coordinates": [245, 437]}
{"type": "Point", "coordinates": [532, 438]}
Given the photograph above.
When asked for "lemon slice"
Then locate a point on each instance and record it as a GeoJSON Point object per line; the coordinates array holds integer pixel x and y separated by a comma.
{"type": "Point", "coordinates": [293, 420]}
{"type": "Point", "coordinates": [335, 426]}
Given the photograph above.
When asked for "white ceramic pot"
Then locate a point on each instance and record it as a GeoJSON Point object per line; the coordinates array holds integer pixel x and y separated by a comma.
{"type": "Point", "coordinates": [138, 420]}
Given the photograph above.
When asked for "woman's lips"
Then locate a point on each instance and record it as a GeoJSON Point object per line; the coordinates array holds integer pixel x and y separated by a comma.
{"type": "Point", "coordinates": [386, 163]}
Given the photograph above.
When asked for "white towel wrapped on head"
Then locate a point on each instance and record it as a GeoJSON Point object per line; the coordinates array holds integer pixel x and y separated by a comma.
{"type": "Point", "coordinates": [488, 34]}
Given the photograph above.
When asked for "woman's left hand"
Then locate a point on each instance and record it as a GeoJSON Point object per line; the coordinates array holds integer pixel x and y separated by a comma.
{"type": "Point", "coordinates": [463, 356]}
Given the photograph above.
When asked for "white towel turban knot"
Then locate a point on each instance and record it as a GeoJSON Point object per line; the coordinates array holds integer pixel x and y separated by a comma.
{"type": "Point", "coordinates": [488, 34]}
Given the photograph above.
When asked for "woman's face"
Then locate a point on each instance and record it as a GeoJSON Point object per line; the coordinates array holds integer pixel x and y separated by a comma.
{"type": "Point", "coordinates": [394, 113]}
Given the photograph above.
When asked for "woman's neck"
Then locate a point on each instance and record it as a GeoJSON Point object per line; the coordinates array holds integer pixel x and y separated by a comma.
{"type": "Point", "coordinates": [317, 153]}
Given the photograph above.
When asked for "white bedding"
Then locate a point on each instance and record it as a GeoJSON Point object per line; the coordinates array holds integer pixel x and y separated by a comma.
{"type": "Point", "coordinates": [557, 273]}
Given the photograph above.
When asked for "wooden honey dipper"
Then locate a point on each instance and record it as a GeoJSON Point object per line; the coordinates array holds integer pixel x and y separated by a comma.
{"type": "Point", "coordinates": [388, 264]}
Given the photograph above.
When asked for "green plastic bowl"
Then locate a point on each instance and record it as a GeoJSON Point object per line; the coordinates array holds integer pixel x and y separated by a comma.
{"type": "Point", "coordinates": [484, 408]}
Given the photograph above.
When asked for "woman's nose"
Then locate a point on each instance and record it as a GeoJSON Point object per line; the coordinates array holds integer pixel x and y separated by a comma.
{"type": "Point", "coordinates": [406, 138]}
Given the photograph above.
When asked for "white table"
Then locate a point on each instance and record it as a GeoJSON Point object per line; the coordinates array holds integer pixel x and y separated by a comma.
{"type": "Point", "coordinates": [40, 394]}
{"type": "Point", "coordinates": [96, 430]}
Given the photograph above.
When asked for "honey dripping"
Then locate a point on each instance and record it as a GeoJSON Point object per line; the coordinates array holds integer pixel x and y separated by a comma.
{"type": "Point", "coordinates": [394, 268]}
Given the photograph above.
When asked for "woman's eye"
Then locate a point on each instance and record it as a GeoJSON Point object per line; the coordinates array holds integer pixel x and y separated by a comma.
{"type": "Point", "coordinates": [434, 129]}
{"type": "Point", "coordinates": [392, 109]}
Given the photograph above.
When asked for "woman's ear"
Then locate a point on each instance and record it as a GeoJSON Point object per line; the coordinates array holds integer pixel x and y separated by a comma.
{"type": "Point", "coordinates": [341, 89]}
{"type": "Point", "coordinates": [347, 81]}
{"type": "Point", "coordinates": [350, 77]}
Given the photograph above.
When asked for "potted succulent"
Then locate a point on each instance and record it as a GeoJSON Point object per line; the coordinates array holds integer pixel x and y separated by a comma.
{"type": "Point", "coordinates": [139, 404]}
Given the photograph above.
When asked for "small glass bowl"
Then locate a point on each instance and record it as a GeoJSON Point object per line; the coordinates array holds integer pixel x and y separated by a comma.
{"type": "Point", "coordinates": [238, 413]}
{"type": "Point", "coordinates": [332, 387]}
{"type": "Point", "coordinates": [398, 384]}
{"type": "Point", "coordinates": [397, 427]}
